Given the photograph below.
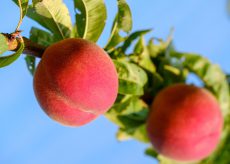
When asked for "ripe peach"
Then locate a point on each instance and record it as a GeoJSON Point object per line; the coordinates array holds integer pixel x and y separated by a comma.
{"type": "Point", "coordinates": [185, 122]}
{"type": "Point", "coordinates": [75, 82]}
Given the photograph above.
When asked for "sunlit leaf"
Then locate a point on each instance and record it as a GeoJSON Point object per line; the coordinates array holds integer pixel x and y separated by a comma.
{"type": "Point", "coordinates": [131, 78]}
{"type": "Point", "coordinates": [141, 56]}
{"type": "Point", "coordinates": [133, 37]}
{"type": "Point", "coordinates": [156, 49]}
{"type": "Point", "coordinates": [90, 18]}
{"type": "Point", "coordinates": [139, 133]}
{"type": "Point", "coordinates": [115, 37]}
{"type": "Point", "coordinates": [124, 16]}
{"type": "Point", "coordinates": [3, 44]}
{"type": "Point", "coordinates": [53, 15]}
{"type": "Point", "coordinates": [122, 22]}
{"type": "Point", "coordinates": [129, 105]}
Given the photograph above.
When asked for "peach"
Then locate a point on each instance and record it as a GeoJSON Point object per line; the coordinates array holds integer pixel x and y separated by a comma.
{"type": "Point", "coordinates": [184, 123]}
{"type": "Point", "coordinates": [75, 82]}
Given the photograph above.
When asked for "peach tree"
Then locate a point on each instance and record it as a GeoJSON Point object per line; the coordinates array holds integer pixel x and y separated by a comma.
{"type": "Point", "coordinates": [76, 80]}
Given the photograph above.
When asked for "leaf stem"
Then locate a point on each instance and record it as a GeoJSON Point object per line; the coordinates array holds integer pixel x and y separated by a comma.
{"type": "Point", "coordinates": [21, 15]}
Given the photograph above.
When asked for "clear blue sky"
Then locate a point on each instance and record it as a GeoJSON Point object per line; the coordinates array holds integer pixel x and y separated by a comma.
{"type": "Point", "coordinates": [28, 136]}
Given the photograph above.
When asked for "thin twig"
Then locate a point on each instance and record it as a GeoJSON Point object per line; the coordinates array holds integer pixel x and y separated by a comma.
{"type": "Point", "coordinates": [21, 15]}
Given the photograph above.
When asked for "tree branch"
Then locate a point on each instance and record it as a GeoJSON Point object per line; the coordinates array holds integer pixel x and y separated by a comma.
{"type": "Point", "coordinates": [31, 48]}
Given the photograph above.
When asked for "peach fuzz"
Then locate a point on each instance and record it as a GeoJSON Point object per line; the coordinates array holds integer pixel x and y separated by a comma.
{"type": "Point", "coordinates": [75, 82]}
{"type": "Point", "coordinates": [185, 122]}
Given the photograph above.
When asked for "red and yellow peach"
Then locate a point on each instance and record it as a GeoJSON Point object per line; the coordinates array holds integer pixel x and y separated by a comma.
{"type": "Point", "coordinates": [185, 122]}
{"type": "Point", "coordinates": [75, 82]}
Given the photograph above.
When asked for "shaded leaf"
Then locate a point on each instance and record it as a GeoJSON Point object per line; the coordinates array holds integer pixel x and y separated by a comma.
{"type": "Point", "coordinates": [129, 113]}
{"type": "Point", "coordinates": [42, 37]}
{"type": "Point", "coordinates": [123, 121]}
{"type": "Point", "coordinates": [123, 111]}
{"type": "Point", "coordinates": [151, 152]}
{"type": "Point", "coordinates": [30, 63]}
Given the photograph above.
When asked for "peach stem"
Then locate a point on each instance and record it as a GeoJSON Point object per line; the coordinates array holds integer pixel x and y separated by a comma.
{"type": "Point", "coordinates": [31, 48]}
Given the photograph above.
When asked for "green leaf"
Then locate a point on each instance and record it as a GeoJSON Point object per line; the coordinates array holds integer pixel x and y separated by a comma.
{"type": "Point", "coordinates": [115, 37]}
{"type": "Point", "coordinates": [24, 4]}
{"type": "Point", "coordinates": [141, 56]}
{"type": "Point", "coordinates": [7, 60]}
{"type": "Point", "coordinates": [30, 63]}
{"type": "Point", "coordinates": [90, 19]}
{"type": "Point", "coordinates": [3, 44]}
{"type": "Point", "coordinates": [130, 114]}
{"type": "Point", "coordinates": [53, 15]}
{"type": "Point", "coordinates": [74, 33]}
{"type": "Point", "coordinates": [228, 78]}
{"type": "Point", "coordinates": [42, 37]}
{"type": "Point", "coordinates": [129, 105]}
{"type": "Point", "coordinates": [172, 69]}
{"type": "Point", "coordinates": [139, 133]}
{"type": "Point", "coordinates": [123, 121]}
{"type": "Point", "coordinates": [151, 152]}
{"type": "Point", "coordinates": [157, 49]}
{"type": "Point", "coordinates": [164, 160]}
{"type": "Point", "coordinates": [133, 37]}
{"type": "Point", "coordinates": [131, 78]}
{"type": "Point", "coordinates": [127, 86]}
{"type": "Point", "coordinates": [122, 22]}
{"type": "Point", "coordinates": [124, 16]}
